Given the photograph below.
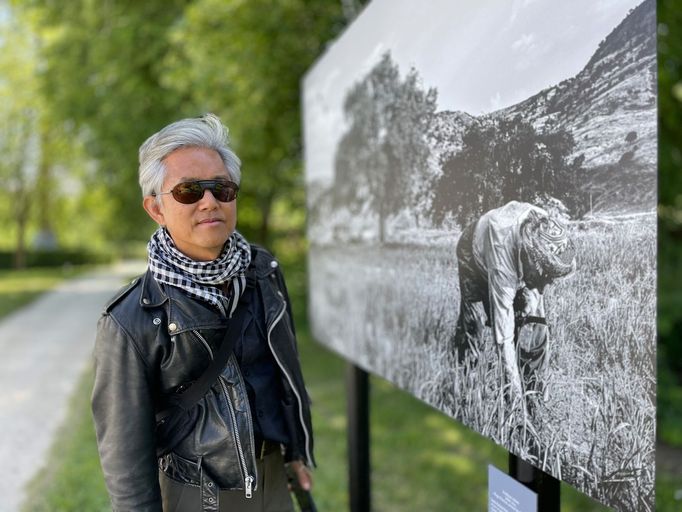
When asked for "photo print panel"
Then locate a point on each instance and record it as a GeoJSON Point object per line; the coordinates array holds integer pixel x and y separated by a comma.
{"type": "Point", "coordinates": [481, 186]}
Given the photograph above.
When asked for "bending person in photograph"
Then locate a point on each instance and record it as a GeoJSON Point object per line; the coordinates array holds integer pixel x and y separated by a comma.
{"type": "Point", "coordinates": [198, 401]}
{"type": "Point", "coordinates": [505, 261]}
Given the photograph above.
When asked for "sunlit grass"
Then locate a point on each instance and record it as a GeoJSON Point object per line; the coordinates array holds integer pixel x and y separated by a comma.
{"type": "Point", "coordinates": [71, 479]}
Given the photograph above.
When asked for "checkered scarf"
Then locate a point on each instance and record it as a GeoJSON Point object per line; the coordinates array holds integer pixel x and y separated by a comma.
{"type": "Point", "coordinates": [202, 279]}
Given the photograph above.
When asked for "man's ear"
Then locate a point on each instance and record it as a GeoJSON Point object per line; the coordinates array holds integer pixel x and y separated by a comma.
{"type": "Point", "coordinates": [153, 209]}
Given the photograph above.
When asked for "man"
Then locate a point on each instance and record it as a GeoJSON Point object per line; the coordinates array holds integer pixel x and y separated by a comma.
{"type": "Point", "coordinates": [505, 260]}
{"type": "Point", "coordinates": [205, 286]}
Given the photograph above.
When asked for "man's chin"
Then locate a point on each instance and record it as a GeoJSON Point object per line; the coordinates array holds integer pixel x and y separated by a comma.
{"type": "Point", "coordinates": [216, 238]}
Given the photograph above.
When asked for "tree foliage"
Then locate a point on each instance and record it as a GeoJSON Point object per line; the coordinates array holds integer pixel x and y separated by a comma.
{"type": "Point", "coordinates": [504, 160]}
{"type": "Point", "coordinates": [18, 139]}
{"type": "Point", "coordinates": [112, 73]}
{"type": "Point", "coordinates": [101, 80]}
{"type": "Point", "coordinates": [244, 60]}
{"type": "Point", "coordinates": [115, 72]}
{"type": "Point", "coordinates": [670, 184]}
{"type": "Point", "coordinates": [382, 160]}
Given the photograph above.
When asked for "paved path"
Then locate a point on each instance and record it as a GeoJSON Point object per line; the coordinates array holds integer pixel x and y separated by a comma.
{"type": "Point", "coordinates": [44, 349]}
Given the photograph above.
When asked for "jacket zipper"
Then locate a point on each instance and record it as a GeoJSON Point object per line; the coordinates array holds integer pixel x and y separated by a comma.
{"type": "Point", "coordinates": [291, 382]}
{"type": "Point", "coordinates": [248, 479]}
{"type": "Point", "coordinates": [205, 343]}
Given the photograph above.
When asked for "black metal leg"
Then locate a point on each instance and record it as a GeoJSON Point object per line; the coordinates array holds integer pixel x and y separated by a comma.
{"type": "Point", "coordinates": [546, 486]}
{"type": "Point", "coordinates": [357, 390]}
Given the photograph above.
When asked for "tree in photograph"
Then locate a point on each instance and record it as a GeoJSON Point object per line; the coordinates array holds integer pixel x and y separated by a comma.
{"type": "Point", "coordinates": [461, 188]}
{"type": "Point", "coordinates": [382, 160]}
{"type": "Point", "coordinates": [507, 159]}
{"type": "Point", "coordinates": [563, 177]}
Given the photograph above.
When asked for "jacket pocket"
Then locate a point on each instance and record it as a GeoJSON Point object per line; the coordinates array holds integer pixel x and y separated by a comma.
{"type": "Point", "coordinates": [180, 469]}
{"type": "Point", "coordinates": [172, 430]}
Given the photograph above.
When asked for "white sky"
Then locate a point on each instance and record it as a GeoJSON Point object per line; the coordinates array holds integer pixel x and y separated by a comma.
{"type": "Point", "coordinates": [481, 55]}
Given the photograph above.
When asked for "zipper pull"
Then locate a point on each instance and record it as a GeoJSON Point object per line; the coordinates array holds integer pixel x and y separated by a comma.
{"type": "Point", "coordinates": [249, 486]}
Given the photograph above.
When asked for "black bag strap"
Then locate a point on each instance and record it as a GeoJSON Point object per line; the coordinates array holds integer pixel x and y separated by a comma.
{"type": "Point", "coordinates": [200, 387]}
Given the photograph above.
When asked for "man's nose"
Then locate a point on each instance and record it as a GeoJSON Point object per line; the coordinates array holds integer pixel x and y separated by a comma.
{"type": "Point", "coordinates": [208, 201]}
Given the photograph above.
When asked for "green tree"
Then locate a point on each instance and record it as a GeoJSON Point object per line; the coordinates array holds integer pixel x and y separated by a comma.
{"type": "Point", "coordinates": [670, 187]}
{"type": "Point", "coordinates": [244, 61]}
{"type": "Point", "coordinates": [115, 72]}
{"type": "Point", "coordinates": [101, 77]}
{"type": "Point", "coordinates": [19, 144]}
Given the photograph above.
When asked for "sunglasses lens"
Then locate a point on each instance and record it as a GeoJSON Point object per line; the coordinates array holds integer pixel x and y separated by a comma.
{"type": "Point", "coordinates": [224, 192]}
{"type": "Point", "coordinates": [187, 193]}
{"type": "Point", "coordinates": [190, 192]}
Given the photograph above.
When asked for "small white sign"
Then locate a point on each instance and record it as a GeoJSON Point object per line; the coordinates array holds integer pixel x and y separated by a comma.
{"type": "Point", "coordinates": [505, 494]}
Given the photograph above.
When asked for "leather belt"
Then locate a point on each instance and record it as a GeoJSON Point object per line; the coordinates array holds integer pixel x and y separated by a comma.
{"type": "Point", "coordinates": [265, 447]}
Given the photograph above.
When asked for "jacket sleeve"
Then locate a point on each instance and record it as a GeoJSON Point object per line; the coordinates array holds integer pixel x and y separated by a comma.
{"type": "Point", "coordinates": [502, 281]}
{"type": "Point", "coordinates": [285, 292]}
{"type": "Point", "coordinates": [503, 278]}
{"type": "Point", "coordinates": [123, 411]}
{"type": "Point", "coordinates": [294, 451]}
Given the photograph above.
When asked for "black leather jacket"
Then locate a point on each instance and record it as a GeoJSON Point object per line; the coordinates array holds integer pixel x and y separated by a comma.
{"type": "Point", "coordinates": [153, 341]}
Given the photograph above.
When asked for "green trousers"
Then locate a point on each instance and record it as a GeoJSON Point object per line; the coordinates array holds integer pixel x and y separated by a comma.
{"type": "Point", "coordinates": [272, 494]}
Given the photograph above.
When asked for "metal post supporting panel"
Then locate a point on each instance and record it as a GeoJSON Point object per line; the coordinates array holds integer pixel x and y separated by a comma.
{"type": "Point", "coordinates": [357, 390]}
{"type": "Point", "coordinates": [546, 486]}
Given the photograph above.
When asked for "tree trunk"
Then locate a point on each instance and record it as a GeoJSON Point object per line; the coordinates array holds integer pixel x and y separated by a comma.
{"type": "Point", "coordinates": [22, 221]}
{"type": "Point", "coordinates": [382, 221]}
{"type": "Point", "coordinates": [45, 238]}
{"type": "Point", "coordinates": [264, 229]}
{"type": "Point", "coordinates": [43, 189]}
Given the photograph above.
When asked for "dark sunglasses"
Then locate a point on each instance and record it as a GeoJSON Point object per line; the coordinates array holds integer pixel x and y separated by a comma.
{"type": "Point", "coordinates": [189, 192]}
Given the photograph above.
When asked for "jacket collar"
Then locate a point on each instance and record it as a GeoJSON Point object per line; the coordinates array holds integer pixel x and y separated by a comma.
{"type": "Point", "coordinates": [183, 312]}
{"type": "Point", "coordinates": [265, 268]}
{"type": "Point", "coordinates": [152, 295]}
{"type": "Point", "coordinates": [262, 262]}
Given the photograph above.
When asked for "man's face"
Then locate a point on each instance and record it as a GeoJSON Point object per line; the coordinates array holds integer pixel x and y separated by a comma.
{"type": "Point", "coordinates": [199, 230]}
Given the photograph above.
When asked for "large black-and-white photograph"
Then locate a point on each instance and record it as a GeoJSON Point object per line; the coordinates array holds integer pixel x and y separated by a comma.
{"type": "Point", "coordinates": [481, 182]}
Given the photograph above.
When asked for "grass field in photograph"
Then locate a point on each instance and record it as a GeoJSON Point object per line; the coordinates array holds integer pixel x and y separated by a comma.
{"type": "Point", "coordinates": [393, 310]}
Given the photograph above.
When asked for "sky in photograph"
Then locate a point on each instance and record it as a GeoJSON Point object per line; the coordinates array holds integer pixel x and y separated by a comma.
{"type": "Point", "coordinates": [481, 55]}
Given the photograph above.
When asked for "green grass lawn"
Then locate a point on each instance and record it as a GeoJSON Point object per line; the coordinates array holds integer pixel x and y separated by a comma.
{"type": "Point", "coordinates": [72, 479]}
{"type": "Point", "coordinates": [421, 459]}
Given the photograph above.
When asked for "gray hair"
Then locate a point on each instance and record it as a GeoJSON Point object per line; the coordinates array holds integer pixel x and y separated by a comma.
{"type": "Point", "coordinates": [201, 132]}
